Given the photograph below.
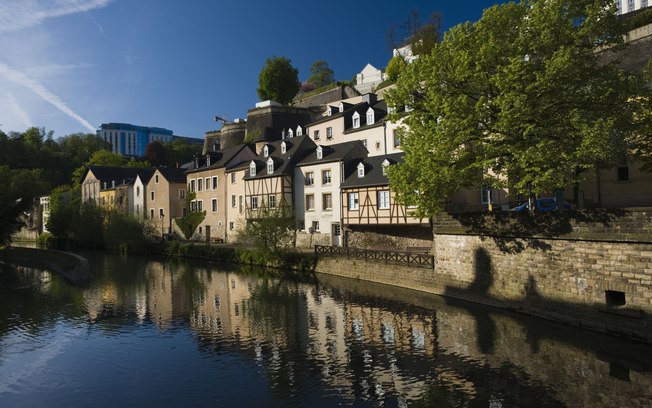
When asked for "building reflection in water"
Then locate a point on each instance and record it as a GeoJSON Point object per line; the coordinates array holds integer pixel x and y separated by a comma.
{"type": "Point", "coordinates": [363, 346]}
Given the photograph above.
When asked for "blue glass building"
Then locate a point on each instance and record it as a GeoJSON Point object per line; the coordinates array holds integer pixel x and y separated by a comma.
{"type": "Point", "coordinates": [131, 140]}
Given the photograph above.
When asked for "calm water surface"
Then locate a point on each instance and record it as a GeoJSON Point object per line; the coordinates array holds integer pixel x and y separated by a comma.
{"type": "Point", "coordinates": [171, 334]}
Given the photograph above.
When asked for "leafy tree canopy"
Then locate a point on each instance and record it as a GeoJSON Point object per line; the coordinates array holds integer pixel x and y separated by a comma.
{"type": "Point", "coordinates": [156, 154]}
{"type": "Point", "coordinates": [191, 219]}
{"type": "Point", "coordinates": [322, 75]}
{"type": "Point", "coordinates": [394, 68]}
{"type": "Point", "coordinates": [519, 99]}
{"type": "Point", "coordinates": [278, 80]}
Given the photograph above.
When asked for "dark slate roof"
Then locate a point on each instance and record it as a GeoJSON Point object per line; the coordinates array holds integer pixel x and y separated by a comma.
{"type": "Point", "coordinates": [336, 152]}
{"type": "Point", "coordinates": [221, 158]}
{"type": "Point", "coordinates": [173, 175]}
{"type": "Point", "coordinates": [373, 171]}
{"type": "Point", "coordinates": [297, 149]}
{"type": "Point", "coordinates": [348, 109]}
{"type": "Point", "coordinates": [380, 114]}
{"type": "Point", "coordinates": [109, 174]}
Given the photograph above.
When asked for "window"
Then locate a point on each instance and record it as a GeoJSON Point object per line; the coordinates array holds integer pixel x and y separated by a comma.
{"type": "Point", "coordinates": [397, 139]}
{"type": "Point", "coordinates": [252, 169]}
{"type": "Point", "coordinates": [326, 177]}
{"type": "Point", "coordinates": [290, 133]}
{"type": "Point", "coordinates": [192, 185]}
{"type": "Point", "coordinates": [377, 145]}
{"type": "Point", "coordinates": [182, 194]}
{"type": "Point", "coordinates": [137, 191]}
{"type": "Point", "coordinates": [485, 194]}
{"type": "Point", "coordinates": [200, 184]}
{"type": "Point", "coordinates": [193, 206]}
{"type": "Point", "coordinates": [151, 213]}
{"type": "Point", "coordinates": [233, 201]}
{"type": "Point", "coordinates": [151, 196]}
{"type": "Point", "coordinates": [160, 213]}
{"type": "Point", "coordinates": [361, 170]}
{"type": "Point", "coordinates": [364, 142]}
{"type": "Point", "coordinates": [214, 182]}
{"type": "Point", "coordinates": [232, 178]}
{"type": "Point", "coordinates": [643, 3]}
{"type": "Point", "coordinates": [327, 201]}
{"type": "Point", "coordinates": [310, 202]}
{"type": "Point", "coordinates": [630, 5]}
{"type": "Point", "coordinates": [241, 205]}
{"type": "Point", "coordinates": [271, 200]}
{"type": "Point", "coordinates": [356, 120]}
{"type": "Point", "coordinates": [353, 201]}
{"type": "Point", "coordinates": [320, 152]}
{"type": "Point", "coordinates": [254, 202]}
{"type": "Point", "coordinates": [231, 225]}
{"type": "Point", "coordinates": [200, 205]}
{"type": "Point", "coordinates": [208, 183]}
{"type": "Point", "coordinates": [316, 135]}
{"type": "Point", "coordinates": [385, 165]}
{"type": "Point", "coordinates": [270, 166]}
{"type": "Point", "coordinates": [383, 200]}
{"type": "Point", "coordinates": [622, 173]}
{"type": "Point", "coordinates": [370, 116]}
{"type": "Point", "coordinates": [310, 178]}
{"type": "Point", "coordinates": [214, 205]}
{"type": "Point", "coordinates": [266, 151]}
{"type": "Point", "coordinates": [329, 133]}
{"type": "Point", "coordinates": [156, 179]}
{"type": "Point", "coordinates": [208, 160]}
{"type": "Point", "coordinates": [315, 226]}
{"type": "Point", "coordinates": [284, 148]}
{"type": "Point", "coordinates": [299, 131]}
{"type": "Point", "coordinates": [329, 111]}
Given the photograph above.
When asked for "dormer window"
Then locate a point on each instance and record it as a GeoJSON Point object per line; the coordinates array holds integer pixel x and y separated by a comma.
{"type": "Point", "coordinates": [284, 148]}
{"type": "Point", "coordinates": [252, 169]}
{"type": "Point", "coordinates": [385, 165]}
{"type": "Point", "coordinates": [270, 166]}
{"type": "Point", "coordinates": [329, 111]}
{"type": "Point", "coordinates": [283, 134]}
{"type": "Point", "coordinates": [290, 133]}
{"type": "Point", "coordinates": [208, 160]}
{"type": "Point", "coordinates": [361, 170]}
{"type": "Point", "coordinates": [341, 107]}
{"type": "Point", "coordinates": [356, 120]}
{"type": "Point", "coordinates": [299, 131]}
{"type": "Point", "coordinates": [320, 152]}
{"type": "Point", "coordinates": [370, 116]}
{"type": "Point", "coordinates": [266, 151]}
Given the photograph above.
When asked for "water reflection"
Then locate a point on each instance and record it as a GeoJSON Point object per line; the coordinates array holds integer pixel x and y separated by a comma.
{"type": "Point", "coordinates": [307, 343]}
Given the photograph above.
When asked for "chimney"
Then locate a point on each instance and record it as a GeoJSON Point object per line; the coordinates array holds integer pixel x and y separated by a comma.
{"type": "Point", "coordinates": [370, 98]}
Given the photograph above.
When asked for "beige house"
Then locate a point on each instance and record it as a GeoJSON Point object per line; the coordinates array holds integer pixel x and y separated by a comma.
{"type": "Point", "coordinates": [209, 182]}
{"type": "Point", "coordinates": [166, 193]}
{"type": "Point", "coordinates": [235, 200]}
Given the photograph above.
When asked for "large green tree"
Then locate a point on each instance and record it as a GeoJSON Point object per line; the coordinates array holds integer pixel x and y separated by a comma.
{"type": "Point", "coordinates": [520, 99]}
{"type": "Point", "coordinates": [322, 74]}
{"type": "Point", "coordinates": [278, 80]}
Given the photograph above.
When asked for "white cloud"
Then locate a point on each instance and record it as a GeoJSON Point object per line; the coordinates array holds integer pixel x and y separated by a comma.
{"type": "Point", "coordinates": [36, 87]}
{"type": "Point", "coordinates": [18, 14]}
{"type": "Point", "coordinates": [15, 113]}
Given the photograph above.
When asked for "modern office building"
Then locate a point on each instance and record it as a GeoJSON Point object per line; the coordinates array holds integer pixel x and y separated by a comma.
{"type": "Point", "coordinates": [131, 140]}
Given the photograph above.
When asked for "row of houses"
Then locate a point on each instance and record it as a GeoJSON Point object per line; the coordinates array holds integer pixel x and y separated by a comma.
{"type": "Point", "coordinates": [325, 167]}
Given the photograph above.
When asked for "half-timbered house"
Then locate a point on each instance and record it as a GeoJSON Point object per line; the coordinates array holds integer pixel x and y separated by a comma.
{"type": "Point", "coordinates": [269, 180]}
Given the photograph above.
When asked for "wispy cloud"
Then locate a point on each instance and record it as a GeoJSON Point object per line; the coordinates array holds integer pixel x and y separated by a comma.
{"type": "Point", "coordinates": [36, 87]}
{"type": "Point", "coordinates": [17, 112]}
{"type": "Point", "coordinates": [19, 14]}
{"type": "Point", "coordinates": [55, 69]}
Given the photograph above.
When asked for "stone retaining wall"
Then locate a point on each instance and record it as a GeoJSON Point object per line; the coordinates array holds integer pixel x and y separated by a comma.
{"type": "Point", "coordinates": [590, 269]}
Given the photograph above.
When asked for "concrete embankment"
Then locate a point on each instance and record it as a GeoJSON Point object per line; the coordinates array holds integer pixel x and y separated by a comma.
{"type": "Point", "coordinates": [73, 268]}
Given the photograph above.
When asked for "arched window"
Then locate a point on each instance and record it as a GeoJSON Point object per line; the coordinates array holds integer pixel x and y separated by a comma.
{"type": "Point", "coordinates": [356, 120]}
{"type": "Point", "coordinates": [270, 166]}
{"type": "Point", "coordinates": [284, 148]}
{"type": "Point", "coordinates": [370, 116]}
{"type": "Point", "coordinates": [361, 170]}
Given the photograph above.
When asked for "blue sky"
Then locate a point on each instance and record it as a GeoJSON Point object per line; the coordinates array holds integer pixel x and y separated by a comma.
{"type": "Point", "coordinates": [70, 65]}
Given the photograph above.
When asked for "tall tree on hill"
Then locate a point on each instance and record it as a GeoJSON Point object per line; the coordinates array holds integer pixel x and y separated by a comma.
{"type": "Point", "coordinates": [519, 99]}
{"type": "Point", "coordinates": [322, 75]}
{"type": "Point", "coordinates": [421, 36]}
{"type": "Point", "coordinates": [278, 80]}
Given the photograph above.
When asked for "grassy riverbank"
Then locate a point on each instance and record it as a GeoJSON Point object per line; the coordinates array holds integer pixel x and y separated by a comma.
{"type": "Point", "coordinates": [73, 267]}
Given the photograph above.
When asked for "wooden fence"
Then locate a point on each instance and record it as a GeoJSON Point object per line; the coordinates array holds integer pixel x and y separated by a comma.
{"type": "Point", "coordinates": [416, 260]}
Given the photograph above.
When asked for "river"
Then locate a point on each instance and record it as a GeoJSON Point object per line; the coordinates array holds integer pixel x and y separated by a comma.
{"type": "Point", "coordinates": [182, 334]}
